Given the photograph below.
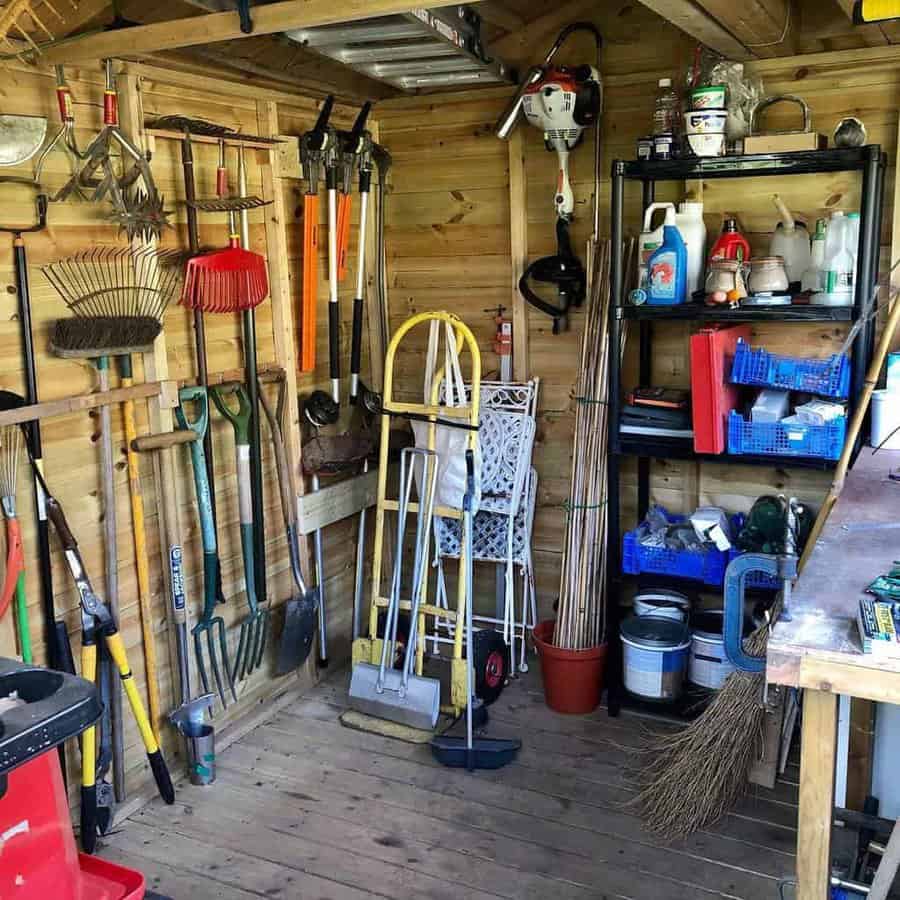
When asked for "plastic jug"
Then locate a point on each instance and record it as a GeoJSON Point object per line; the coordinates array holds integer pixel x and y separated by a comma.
{"type": "Point", "coordinates": [812, 277]}
{"type": "Point", "coordinates": [730, 244]}
{"type": "Point", "coordinates": [790, 241]}
{"type": "Point", "coordinates": [840, 262]}
{"type": "Point", "coordinates": [689, 220]}
{"type": "Point", "coordinates": [648, 243]}
{"type": "Point", "coordinates": [667, 270]}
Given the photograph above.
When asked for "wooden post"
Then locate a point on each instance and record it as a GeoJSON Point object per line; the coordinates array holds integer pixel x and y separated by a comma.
{"type": "Point", "coordinates": [817, 755]}
{"type": "Point", "coordinates": [518, 240]}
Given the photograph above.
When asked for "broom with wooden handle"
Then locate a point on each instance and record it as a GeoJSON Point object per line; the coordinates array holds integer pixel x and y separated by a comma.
{"type": "Point", "coordinates": [690, 779]}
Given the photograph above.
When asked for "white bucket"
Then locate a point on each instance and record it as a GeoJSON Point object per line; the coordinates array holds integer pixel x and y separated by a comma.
{"type": "Point", "coordinates": [665, 603]}
{"type": "Point", "coordinates": [708, 665]}
{"type": "Point", "coordinates": [655, 656]}
{"type": "Point", "coordinates": [886, 419]}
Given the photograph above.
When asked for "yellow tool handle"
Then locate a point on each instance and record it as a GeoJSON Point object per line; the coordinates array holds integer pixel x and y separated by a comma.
{"type": "Point", "coordinates": [89, 760]}
{"type": "Point", "coordinates": [142, 562]}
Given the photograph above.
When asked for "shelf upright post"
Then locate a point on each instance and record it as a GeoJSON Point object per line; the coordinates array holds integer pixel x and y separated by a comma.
{"type": "Point", "coordinates": [645, 368]}
{"type": "Point", "coordinates": [614, 395]}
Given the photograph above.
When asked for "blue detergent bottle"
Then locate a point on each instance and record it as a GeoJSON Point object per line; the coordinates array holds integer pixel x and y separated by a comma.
{"type": "Point", "coordinates": [667, 270]}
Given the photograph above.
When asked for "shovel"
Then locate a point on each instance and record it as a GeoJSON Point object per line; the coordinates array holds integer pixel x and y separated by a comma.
{"type": "Point", "coordinates": [471, 752]}
{"type": "Point", "coordinates": [300, 611]}
{"type": "Point", "coordinates": [400, 696]}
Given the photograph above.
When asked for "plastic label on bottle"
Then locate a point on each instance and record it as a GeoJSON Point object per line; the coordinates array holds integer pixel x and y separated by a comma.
{"type": "Point", "coordinates": [661, 276]}
{"type": "Point", "coordinates": [838, 282]}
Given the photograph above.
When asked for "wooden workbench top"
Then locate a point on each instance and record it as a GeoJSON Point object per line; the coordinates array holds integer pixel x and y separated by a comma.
{"type": "Point", "coordinates": [820, 647]}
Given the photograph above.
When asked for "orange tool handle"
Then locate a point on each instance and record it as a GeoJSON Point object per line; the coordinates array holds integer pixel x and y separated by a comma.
{"type": "Point", "coordinates": [343, 234]}
{"type": "Point", "coordinates": [309, 301]}
{"type": "Point", "coordinates": [15, 563]}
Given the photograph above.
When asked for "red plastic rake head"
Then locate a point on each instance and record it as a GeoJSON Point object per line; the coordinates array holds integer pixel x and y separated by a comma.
{"type": "Point", "coordinates": [230, 280]}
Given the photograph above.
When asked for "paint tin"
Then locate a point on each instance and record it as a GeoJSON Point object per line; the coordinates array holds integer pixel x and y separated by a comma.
{"type": "Point", "coordinates": [662, 602]}
{"type": "Point", "coordinates": [645, 148]}
{"type": "Point", "coordinates": [655, 655]}
{"type": "Point", "coordinates": [663, 145]}
{"type": "Point", "coordinates": [708, 666]}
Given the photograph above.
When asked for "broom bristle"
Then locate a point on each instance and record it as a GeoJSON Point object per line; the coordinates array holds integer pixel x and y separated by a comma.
{"type": "Point", "coordinates": [689, 779]}
{"type": "Point", "coordinates": [99, 333]}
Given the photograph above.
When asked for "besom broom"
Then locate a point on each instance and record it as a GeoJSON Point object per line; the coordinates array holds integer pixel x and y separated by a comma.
{"type": "Point", "coordinates": [695, 776]}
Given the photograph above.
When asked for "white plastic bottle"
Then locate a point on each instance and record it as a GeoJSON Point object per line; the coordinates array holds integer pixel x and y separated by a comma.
{"type": "Point", "coordinates": [853, 242]}
{"type": "Point", "coordinates": [689, 220]}
{"type": "Point", "coordinates": [812, 277]}
{"type": "Point", "coordinates": [837, 288]}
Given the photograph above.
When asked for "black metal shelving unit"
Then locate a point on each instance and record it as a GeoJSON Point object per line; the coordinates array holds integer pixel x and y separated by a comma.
{"type": "Point", "coordinates": [870, 162]}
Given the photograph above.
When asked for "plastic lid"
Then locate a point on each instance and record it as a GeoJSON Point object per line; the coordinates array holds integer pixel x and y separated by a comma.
{"type": "Point", "coordinates": [729, 225]}
{"type": "Point", "coordinates": [655, 632]}
{"type": "Point", "coordinates": [852, 215]}
{"type": "Point", "coordinates": [837, 214]}
{"type": "Point", "coordinates": [665, 82]}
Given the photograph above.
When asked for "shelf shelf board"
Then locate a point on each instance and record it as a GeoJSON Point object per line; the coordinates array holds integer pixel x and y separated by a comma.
{"type": "Point", "coordinates": [809, 162]}
{"type": "Point", "coordinates": [678, 448]}
{"type": "Point", "coordinates": [702, 313]}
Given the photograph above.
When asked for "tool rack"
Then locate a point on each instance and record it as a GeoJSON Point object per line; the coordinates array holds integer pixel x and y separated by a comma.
{"type": "Point", "coordinates": [870, 162]}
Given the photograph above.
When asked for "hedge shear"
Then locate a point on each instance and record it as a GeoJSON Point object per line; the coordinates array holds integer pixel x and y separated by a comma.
{"type": "Point", "coordinates": [97, 623]}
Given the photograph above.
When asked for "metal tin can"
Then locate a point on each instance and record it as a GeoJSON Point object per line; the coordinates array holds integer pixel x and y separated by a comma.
{"type": "Point", "coordinates": [645, 148]}
{"type": "Point", "coordinates": [663, 145]}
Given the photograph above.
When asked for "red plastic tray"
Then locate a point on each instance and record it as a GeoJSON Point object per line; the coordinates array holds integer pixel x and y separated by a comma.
{"type": "Point", "coordinates": [103, 880]}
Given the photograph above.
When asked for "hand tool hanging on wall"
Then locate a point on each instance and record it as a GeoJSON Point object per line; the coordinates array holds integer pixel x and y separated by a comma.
{"type": "Point", "coordinates": [350, 145]}
{"type": "Point", "coordinates": [98, 624]}
{"type": "Point", "coordinates": [331, 162]}
{"type": "Point", "coordinates": [189, 716]}
{"type": "Point", "coordinates": [313, 146]}
{"type": "Point", "coordinates": [255, 628]}
{"type": "Point", "coordinates": [14, 580]}
{"type": "Point", "coordinates": [118, 296]}
{"type": "Point", "coordinates": [562, 101]}
{"type": "Point", "coordinates": [300, 609]}
{"type": "Point", "coordinates": [112, 739]}
{"type": "Point", "coordinates": [65, 135]}
{"type": "Point", "coordinates": [59, 649]}
{"type": "Point", "coordinates": [209, 625]}
{"type": "Point", "coordinates": [137, 204]}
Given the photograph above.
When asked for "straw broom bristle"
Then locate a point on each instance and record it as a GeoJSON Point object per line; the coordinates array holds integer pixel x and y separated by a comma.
{"type": "Point", "coordinates": [689, 779]}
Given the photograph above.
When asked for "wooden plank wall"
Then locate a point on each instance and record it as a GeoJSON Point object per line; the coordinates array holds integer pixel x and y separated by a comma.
{"type": "Point", "coordinates": [448, 246]}
{"type": "Point", "coordinates": [70, 442]}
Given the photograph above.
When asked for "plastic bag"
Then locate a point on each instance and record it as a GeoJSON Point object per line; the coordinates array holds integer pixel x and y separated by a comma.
{"type": "Point", "coordinates": [450, 443]}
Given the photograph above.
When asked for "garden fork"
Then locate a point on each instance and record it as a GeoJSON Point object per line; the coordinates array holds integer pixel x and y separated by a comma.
{"type": "Point", "coordinates": [255, 628]}
{"type": "Point", "coordinates": [210, 625]}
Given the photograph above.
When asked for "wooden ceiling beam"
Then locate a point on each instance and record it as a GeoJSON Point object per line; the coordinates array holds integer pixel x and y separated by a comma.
{"type": "Point", "coordinates": [225, 26]}
{"type": "Point", "coordinates": [528, 42]}
{"type": "Point", "coordinates": [765, 27]}
{"type": "Point", "coordinates": [873, 35]}
{"type": "Point", "coordinates": [495, 13]}
{"type": "Point", "coordinates": [691, 19]}
{"type": "Point", "coordinates": [87, 10]}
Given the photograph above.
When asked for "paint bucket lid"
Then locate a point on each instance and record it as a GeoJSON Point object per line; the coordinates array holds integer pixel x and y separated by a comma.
{"type": "Point", "coordinates": [710, 624]}
{"type": "Point", "coordinates": [655, 632]}
{"type": "Point", "coordinates": [662, 597]}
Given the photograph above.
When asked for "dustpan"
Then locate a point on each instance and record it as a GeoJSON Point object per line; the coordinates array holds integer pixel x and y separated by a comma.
{"type": "Point", "coordinates": [386, 693]}
{"type": "Point", "coordinates": [472, 752]}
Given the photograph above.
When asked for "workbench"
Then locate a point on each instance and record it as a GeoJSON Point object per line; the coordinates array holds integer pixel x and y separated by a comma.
{"type": "Point", "coordinates": [819, 648]}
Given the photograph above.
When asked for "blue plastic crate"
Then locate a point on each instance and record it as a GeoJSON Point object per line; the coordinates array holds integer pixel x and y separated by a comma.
{"type": "Point", "coordinates": [779, 439]}
{"type": "Point", "coordinates": [707, 566]}
{"type": "Point", "coordinates": [756, 579]}
{"type": "Point", "coordinates": [827, 377]}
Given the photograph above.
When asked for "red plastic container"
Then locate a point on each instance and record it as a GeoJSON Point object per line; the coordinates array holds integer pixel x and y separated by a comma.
{"type": "Point", "coordinates": [573, 679]}
{"type": "Point", "coordinates": [39, 859]}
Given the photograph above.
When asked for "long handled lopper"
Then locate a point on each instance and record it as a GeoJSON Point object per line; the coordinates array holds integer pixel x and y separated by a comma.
{"type": "Point", "coordinates": [349, 144]}
{"type": "Point", "coordinates": [98, 624]}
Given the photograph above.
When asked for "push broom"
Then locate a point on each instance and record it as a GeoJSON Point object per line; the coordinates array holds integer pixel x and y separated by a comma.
{"type": "Point", "coordinates": [696, 775]}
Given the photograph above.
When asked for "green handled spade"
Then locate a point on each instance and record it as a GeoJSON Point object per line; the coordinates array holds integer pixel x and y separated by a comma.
{"type": "Point", "coordinates": [208, 624]}
{"type": "Point", "coordinates": [255, 628]}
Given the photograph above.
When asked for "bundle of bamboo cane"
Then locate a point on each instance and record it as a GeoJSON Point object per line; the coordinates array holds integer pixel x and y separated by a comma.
{"type": "Point", "coordinates": [581, 616]}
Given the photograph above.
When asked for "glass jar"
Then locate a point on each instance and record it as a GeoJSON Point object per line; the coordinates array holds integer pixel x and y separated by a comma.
{"type": "Point", "coordinates": [768, 275]}
{"type": "Point", "coordinates": [724, 282]}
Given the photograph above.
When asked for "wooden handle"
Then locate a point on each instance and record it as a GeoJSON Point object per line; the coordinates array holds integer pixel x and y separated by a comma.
{"type": "Point", "coordinates": [148, 442]}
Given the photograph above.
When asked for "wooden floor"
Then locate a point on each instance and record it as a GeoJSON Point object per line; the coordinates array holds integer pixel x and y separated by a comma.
{"type": "Point", "coordinates": [304, 808]}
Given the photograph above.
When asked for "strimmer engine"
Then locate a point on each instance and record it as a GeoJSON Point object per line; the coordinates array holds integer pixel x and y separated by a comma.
{"type": "Point", "coordinates": [562, 103]}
